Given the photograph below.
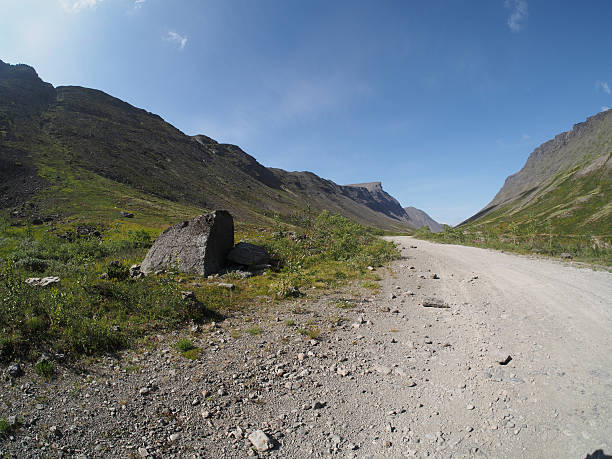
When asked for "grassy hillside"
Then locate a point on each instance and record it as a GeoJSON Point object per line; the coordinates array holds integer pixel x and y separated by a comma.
{"type": "Point", "coordinates": [93, 154]}
{"type": "Point", "coordinates": [560, 202]}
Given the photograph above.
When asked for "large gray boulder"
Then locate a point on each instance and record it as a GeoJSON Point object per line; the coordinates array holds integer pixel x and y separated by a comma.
{"type": "Point", "coordinates": [198, 246]}
{"type": "Point", "coordinates": [248, 254]}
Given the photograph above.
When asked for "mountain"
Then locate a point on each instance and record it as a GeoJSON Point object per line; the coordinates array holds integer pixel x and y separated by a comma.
{"type": "Point", "coordinates": [373, 196]}
{"type": "Point", "coordinates": [419, 218]}
{"type": "Point", "coordinates": [565, 185]}
{"type": "Point", "coordinates": [76, 151]}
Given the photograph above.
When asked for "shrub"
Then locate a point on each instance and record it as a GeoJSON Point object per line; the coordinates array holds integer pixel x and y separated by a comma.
{"type": "Point", "coordinates": [118, 271]}
{"type": "Point", "coordinates": [184, 345]}
{"type": "Point", "coordinates": [44, 368]}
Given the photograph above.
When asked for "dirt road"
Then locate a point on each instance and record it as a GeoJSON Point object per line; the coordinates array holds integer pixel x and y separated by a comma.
{"type": "Point", "coordinates": [355, 375]}
{"type": "Point", "coordinates": [554, 398]}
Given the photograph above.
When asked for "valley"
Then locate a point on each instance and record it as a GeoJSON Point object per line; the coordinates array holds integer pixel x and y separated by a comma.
{"type": "Point", "coordinates": [382, 376]}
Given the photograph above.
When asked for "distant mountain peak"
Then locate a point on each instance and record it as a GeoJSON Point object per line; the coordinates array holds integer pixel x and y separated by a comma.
{"type": "Point", "coordinates": [370, 186]}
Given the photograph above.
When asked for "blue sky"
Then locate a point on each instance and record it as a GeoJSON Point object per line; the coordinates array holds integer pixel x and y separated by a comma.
{"type": "Point", "coordinates": [439, 100]}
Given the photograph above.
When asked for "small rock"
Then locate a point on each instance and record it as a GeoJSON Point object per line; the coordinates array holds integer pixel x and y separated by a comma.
{"type": "Point", "coordinates": [260, 441]}
{"type": "Point", "coordinates": [205, 414]}
{"type": "Point", "coordinates": [470, 407]}
{"type": "Point", "coordinates": [142, 452]}
{"type": "Point", "coordinates": [175, 436]}
{"type": "Point", "coordinates": [567, 256]}
{"type": "Point", "coordinates": [42, 281]}
{"type": "Point", "coordinates": [225, 285]}
{"type": "Point", "coordinates": [434, 303]}
{"type": "Point", "coordinates": [135, 271]}
{"type": "Point", "coordinates": [370, 268]}
{"type": "Point", "coordinates": [14, 370]}
{"type": "Point", "coordinates": [55, 431]}
{"type": "Point", "coordinates": [318, 405]}
{"type": "Point", "coordinates": [343, 371]}
{"type": "Point", "coordinates": [187, 295]}
{"type": "Point", "coordinates": [144, 391]}
{"type": "Point", "coordinates": [125, 214]}
{"type": "Point", "coordinates": [435, 276]}
{"type": "Point", "coordinates": [503, 359]}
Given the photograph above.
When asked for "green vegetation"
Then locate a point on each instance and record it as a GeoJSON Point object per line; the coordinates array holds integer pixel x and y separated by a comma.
{"type": "Point", "coordinates": [7, 428]}
{"type": "Point", "coordinates": [310, 332]}
{"type": "Point", "coordinates": [88, 314]}
{"type": "Point", "coordinates": [254, 330]}
{"type": "Point", "coordinates": [188, 349]}
{"type": "Point", "coordinates": [571, 213]}
{"type": "Point", "coordinates": [525, 238]}
{"type": "Point", "coordinates": [45, 368]}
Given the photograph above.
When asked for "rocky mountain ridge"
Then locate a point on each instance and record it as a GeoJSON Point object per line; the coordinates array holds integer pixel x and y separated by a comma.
{"type": "Point", "coordinates": [53, 140]}
{"type": "Point", "coordinates": [566, 182]}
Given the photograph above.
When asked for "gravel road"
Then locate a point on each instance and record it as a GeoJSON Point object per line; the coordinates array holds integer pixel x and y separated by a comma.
{"type": "Point", "coordinates": [386, 377]}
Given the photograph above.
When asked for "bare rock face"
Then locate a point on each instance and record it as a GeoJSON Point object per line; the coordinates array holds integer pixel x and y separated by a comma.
{"type": "Point", "coordinates": [198, 246]}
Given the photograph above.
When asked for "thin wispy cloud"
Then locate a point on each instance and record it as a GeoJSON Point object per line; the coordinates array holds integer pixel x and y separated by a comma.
{"type": "Point", "coordinates": [603, 85]}
{"type": "Point", "coordinates": [605, 108]}
{"type": "Point", "coordinates": [139, 3]}
{"type": "Point", "coordinates": [176, 38]}
{"type": "Point", "coordinates": [518, 14]}
{"type": "Point", "coordinates": [526, 137]}
{"type": "Point", "coordinates": [78, 5]}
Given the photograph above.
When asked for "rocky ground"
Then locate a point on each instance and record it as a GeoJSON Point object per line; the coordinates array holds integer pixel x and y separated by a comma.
{"type": "Point", "coordinates": [517, 365]}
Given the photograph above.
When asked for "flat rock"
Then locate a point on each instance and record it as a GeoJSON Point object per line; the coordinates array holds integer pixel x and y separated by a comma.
{"type": "Point", "coordinates": [260, 441]}
{"type": "Point", "coordinates": [42, 281]}
{"type": "Point", "coordinates": [434, 303]}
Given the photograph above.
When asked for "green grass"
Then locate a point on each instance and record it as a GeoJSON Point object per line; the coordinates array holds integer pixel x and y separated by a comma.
{"type": "Point", "coordinates": [45, 369]}
{"type": "Point", "coordinates": [188, 349]}
{"type": "Point", "coordinates": [311, 332]}
{"type": "Point", "coordinates": [254, 330]}
{"type": "Point", "coordinates": [87, 315]}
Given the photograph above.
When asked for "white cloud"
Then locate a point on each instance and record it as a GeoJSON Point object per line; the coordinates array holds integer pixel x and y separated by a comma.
{"type": "Point", "coordinates": [605, 108]}
{"type": "Point", "coordinates": [139, 3]}
{"type": "Point", "coordinates": [78, 5]}
{"type": "Point", "coordinates": [526, 137]}
{"type": "Point", "coordinates": [604, 86]}
{"type": "Point", "coordinates": [518, 14]}
{"type": "Point", "coordinates": [176, 38]}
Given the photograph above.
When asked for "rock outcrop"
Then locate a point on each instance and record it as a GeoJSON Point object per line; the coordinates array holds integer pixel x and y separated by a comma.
{"type": "Point", "coordinates": [198, 246]}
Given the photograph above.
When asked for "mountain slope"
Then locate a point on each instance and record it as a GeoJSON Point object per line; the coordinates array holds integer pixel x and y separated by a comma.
{"type": "Point", "coordinates": [420, 218]}
{"type": "Point", "coordinates": [373, 196]}
{"type": "Point", "coordinates": [70, 150]}
{"type": "Point", "coordinates": [565, 185]}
